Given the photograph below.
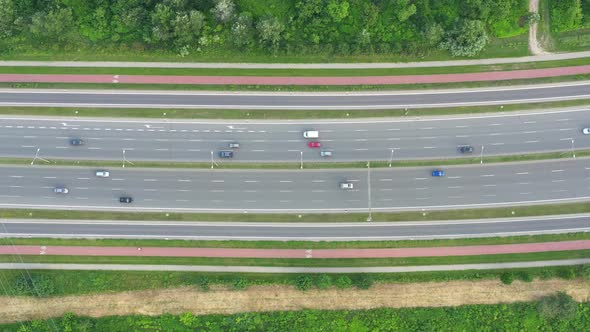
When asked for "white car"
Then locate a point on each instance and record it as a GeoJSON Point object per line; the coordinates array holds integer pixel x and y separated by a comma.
{"type": "Point", "coordinates": [586, 131]}
{"type": "Point", "coordinates": [102, 174]}
{"type": "Point", "coordinates": [61, 190]}
{"type": "Point", "coordinates": [346, 185]}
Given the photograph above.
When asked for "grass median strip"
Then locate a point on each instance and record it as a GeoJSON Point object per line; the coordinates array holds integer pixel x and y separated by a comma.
{"type": "Point", "coordinates": [299, 262]}
{"type": "Point", "coordinates": [293, 72]}
{"type": "Point", "coordinates": [580, 153]}
{"type": "Point", "coordinates": [483, 213]}
{"type": "Point", "coordinates": [165, 114]}
{"type": "Point", "coordinates": [297, 244]}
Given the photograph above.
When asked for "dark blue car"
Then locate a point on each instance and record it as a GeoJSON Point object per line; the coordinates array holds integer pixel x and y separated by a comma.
{"type": "Point", "coordinates": [438, 173]}
{"type": "Point", "coordinates": [226, 154]}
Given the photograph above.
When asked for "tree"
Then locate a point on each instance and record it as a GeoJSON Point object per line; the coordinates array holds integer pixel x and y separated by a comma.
{"type": "Point", "coordinates": [338, 10]}
{"type": "Point", "coordinates": [56, 26]}
{"type": "Point", "coordinates": [187, 27]}
{"type": "Point", "coordinates": [129, 20]}
{"type": "Point", "coordinates": [7, 17]}
{"type": "Point", "coordinates": [467, 38]}
{"type": "Point", "coordinates": [269, 31]}
{"type": "Point", "coordinates": [161, 17]}
{"type": "Point", "coordinates": [404, 9]}
{"type": "Point", "coordinates": [223, 10]}
{"type": "Point", "coordinates": [433, 34]}
{"type": "Point", "coordinates": [242, 31]}
{"type": "Point", "coordinates": [559, 306]}
{"type": "Point", "coordinates": [566, 15]}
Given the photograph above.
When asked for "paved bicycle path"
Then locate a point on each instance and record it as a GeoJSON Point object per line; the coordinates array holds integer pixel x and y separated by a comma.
{"type": "Point", "coordinates": [285, 80]}
{"type": "Point", "coordinates": [364, 65]}
{"type": "Point", "coordinates": [296, 253]}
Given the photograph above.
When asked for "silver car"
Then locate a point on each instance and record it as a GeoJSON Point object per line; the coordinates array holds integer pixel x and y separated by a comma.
{"type": "Point", "coordinates": [346, 185]}
{"type": "Point", "coordinates": [325, 153]}
{"type": "Point", "coordinates": [102, 174]}
{"type": "Point", "coordinates": [61, 190]}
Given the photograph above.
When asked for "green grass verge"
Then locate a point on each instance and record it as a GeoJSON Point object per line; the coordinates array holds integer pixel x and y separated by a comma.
{"type": "Point", "coordinates": [296, 88]}
{"type": "Point", "coordinates": [293, 72]}
{"type": "Point", "coordinates": [303, 262]}
{"type": "Point", "coordinates": [483, 213]}
{"type": "Point", "coordinates": [297, 244]}
{"type": "Point", "coordinates": [279, 114]}
{"type": "Point", "coordinates": [310, 165]}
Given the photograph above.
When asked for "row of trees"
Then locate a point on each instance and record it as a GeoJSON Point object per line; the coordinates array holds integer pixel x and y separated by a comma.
{"type": "Point", "coordinates": [296, 26]}
{"type": "Point", "coordinates": [567, 15]}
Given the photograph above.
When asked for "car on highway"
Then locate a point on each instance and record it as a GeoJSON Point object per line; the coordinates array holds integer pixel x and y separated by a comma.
{"type": "Point", "coordinates": [102, 173]}
{"type": "Point", "coordinates": [586, 131]}
{"type": "Point", "coordinates": [325, 153]}
{"type": "Point", "coordinates": [311, 134]}
{"type": "Point", "coordinates": [61, 190]}
{"type": "Point", "coordinates": [77, 141]}
{"type": "Point", "coordinates": [226, 154]}
{"type": "Point", "coordinates": [125, 199]}
{"type": "Point", "coordinates": [346, 185]}
{"type": "Point", "coordinates": [438, 173]}
{"type": "Point", "coordinates": [234, 145]}
{"type": "Point", "coordinates": [314, 145]}
{"type": "Point", "coordinates": [466, 149]}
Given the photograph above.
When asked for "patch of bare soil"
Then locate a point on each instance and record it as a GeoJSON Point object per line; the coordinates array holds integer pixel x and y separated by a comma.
{"type": "Point", "coordinates": [272, 298]}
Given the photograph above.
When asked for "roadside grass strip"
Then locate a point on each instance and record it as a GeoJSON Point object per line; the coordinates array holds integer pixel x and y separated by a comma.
{"type": "Point", "coordinates": [280, 114]}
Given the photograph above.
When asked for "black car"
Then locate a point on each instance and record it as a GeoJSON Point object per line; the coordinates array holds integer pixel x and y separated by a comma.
{"type": "Point", "coordinates": [226, 154]}
{"type": "Point", "coordinates": [76, 141]}
{"type": "Point", "coordinates": [126, 199]}
{"type": "Point", "coordinates": [466, 149]}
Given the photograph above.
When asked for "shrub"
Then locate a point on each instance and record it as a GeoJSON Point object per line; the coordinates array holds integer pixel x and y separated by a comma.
{"type": "Point", "coordinates": [32, 284]}
{"type": "Point", "coordinates": [343, 282]}
{"type": "Point", "coordinates": [566, 273]}
{"type": "Point", "coordinates": [323, 281]}
{"type": "Point", "coordinates": [203, 282]}
{"type": "Point", "coordinates": [365, 281]}
{"type": "Point", "coordinates": [507, 278]}
{"type": "Point", "coordinates": [467, 38]}
{"type": "Point", "coordinates": [559, 306]}
{"type": "Point", "coordinates": [585, 271]}
{"type": "Point", "coordinates": [303, 282]}
{"type": "Point", "coordinates": [525, 276]}
{"type": "Point", "coordinates": [241, 283]}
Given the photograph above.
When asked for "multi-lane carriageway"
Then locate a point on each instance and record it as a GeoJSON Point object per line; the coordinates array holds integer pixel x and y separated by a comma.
{"type": "Point", "coordinates": [384, 189]}
{"type": "Point", "coordinates": [269, 141]}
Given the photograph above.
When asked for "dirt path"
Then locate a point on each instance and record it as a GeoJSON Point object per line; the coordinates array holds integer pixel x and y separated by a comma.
{"type": "Point", "coordinates": [271, 298]}
{"type": "Point", "coordinates": [534, 44]}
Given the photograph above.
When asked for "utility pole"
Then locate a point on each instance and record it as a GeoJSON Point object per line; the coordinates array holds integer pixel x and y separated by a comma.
{"type": "Point", "coordinates": [211, 159]}
{"type": "Point", "coordinates": [37, 157]}
{"type": "Point", "coordinates": [391, 157]}
{"type": "Point", "coordinates": [370, 218]}
{"type": "Point", "coordinates": [481, 157]}
{"type": "Point", "coordinates": [573, 149]}
{"type": "Point", "coordinates": [301, 159]}
{"type": "Point", "coordinates": [125, 160]}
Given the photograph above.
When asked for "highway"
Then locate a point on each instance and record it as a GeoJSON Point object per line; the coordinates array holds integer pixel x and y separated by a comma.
{"type": "Point", "coordinates": [294, 231]}
{"type": "Point", "coordinates": [389, 189]}
{"type": "Point", "coordinates": [290, 100]}
{"type": "Point", "coordinates": [280, 140]}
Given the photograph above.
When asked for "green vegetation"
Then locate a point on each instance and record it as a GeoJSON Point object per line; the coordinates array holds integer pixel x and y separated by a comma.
{"type": "Point", "coordinates": [514, 211]}
{"type": "Point", "coordinates": [565, 24]}
{"type": "Point", "coordinates": [59, 283]}
{"type": "Point", "coordinates": [298, 244]}
{"type": "Point", "coordinates": [302, 30]}
{"type": "Point", "coordinates": [278, 114]}
{"type": "Point", "coordinates": [543, 315]}
{"type": "Point", "coordinates": [299, 262]}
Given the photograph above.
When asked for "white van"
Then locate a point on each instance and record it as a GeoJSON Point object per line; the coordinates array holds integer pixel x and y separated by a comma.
{"type": "Point", "coordinates": [311, 134]}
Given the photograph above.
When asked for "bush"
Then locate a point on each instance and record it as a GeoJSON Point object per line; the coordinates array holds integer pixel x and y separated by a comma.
{"type": "Point", "coordinates": [566, 273]}
{"type": "Point", "coordinates": [560, 306]}
{"type": "Point", "coordinates": [507, 278]}
{"type": "Point", "coordinates": [36, 285]}
{"type": "Point", "coordinates": [525, 276]}
{"type": "Point", "coordinates": [566, 15]}
{"type": "Point", "coordinates": [203, 283]}
{"type": "Point", "coordinates": [241, 283]}
{"type": "Point", "coordinates": [467, 38]}
{"type": "Point", "coordinates": [365, 281]}
{"type": "Point", "coordinates": [323, 281]}
{"type": "Point", "coordinates": [303, 282]}
{"type": "Point", "coordinates": [343, 282]}
{"type": "Point", "coordinates": [585, 271]}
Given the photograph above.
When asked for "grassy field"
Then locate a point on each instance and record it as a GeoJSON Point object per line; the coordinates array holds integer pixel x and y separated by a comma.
{"type": "Point", "coordinates": [292, 72]}
{"type": "Point", "coordinates": [506, 212]}
{"type": "Point", "coordinates": [303, 262]}
{"type": "Point", "coordinates": [279, 114]}
{"type": "Point", "coordinates": [295, 88]}
{"type": "Point", "coordinates": [297, 244]}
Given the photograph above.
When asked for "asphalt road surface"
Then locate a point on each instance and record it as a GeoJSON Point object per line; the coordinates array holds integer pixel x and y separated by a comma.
{"type": "Point", "coordinates": [274, 141]}
{"type": "Point", "coordinates": [389, 189]}
{"type": "Point", "coordinates": [402, 99]}
{"type": "Point", "coordinates": [305, 231]}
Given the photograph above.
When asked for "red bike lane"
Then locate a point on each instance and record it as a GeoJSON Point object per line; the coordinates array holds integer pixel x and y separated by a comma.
{"type": "Point", "coordinates": [297, 80]}
{"type": "Point", "coordinates": [296, 253]}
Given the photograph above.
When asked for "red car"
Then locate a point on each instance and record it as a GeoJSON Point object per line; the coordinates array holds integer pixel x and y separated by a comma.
{"type": "Point", "coordinates": [314, 145]}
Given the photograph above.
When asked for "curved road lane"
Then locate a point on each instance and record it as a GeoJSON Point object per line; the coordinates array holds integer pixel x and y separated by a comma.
{"type": "Point", "coordinates": [391, 189]}
{"type": "Point", "coordinates": [313, 101]}
{"type": "Point", "coordinates": [275, 141]}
